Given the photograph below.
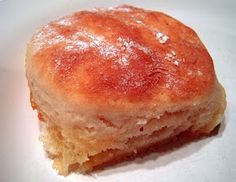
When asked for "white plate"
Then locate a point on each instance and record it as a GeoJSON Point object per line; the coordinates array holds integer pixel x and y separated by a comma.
{"type": "Point", "coordinates": [21, 154]}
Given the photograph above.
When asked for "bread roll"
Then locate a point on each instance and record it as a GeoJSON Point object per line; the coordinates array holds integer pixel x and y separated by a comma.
{"type": "Point", "coordinates": [110, 83]}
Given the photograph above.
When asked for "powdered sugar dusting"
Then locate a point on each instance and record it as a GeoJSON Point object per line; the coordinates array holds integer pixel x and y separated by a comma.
{"type": "Point", "coordinates": [127, 48]}
{"type": "Point", "coordinates": [172, 57]}
{"type": "Point", "coordinates": [65, 22]}
{"type": "Point", "coordinates": [47, 36]}
{"type": "Point", "coordinates": [120, 8]}
{"type": "Point", "coordinates": [123, 61]}
{"type": "Point", "coordinates": [83, 40]}
{"type": "Point", "coordinates": [120, 54]}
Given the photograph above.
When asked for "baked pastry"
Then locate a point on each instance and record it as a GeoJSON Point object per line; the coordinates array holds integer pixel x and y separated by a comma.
{"type": "Point", "coordinates": [110, 83]}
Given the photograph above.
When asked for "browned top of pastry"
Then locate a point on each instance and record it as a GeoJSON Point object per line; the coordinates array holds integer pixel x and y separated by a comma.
{"type": "Point", "coordinates": [122, 53]}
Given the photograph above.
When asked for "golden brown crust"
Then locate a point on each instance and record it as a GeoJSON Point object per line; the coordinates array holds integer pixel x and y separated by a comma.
{"type": "Point", "coordinates": [124, 53]}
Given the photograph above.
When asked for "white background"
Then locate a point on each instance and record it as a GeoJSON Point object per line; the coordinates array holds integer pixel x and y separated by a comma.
{"type": "Point", "coordinates": [21, 154]}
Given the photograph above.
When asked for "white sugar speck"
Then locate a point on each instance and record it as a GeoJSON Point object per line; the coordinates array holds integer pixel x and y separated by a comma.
{"type": "Point", "coordinates": [138, 21]}
{"type": "Point", "coordinates": [76, 45]}
{"type": "Point", "coordinates": [123, 61]}
{"type": "Point", "coordinates": [97, 42]}
{"type": "Point", "coordinates": [58, 63]}
{"type": "Point", "coordinates": [141, 122]}
{"type": "Point", "coordinates": [65, 22]}
{"type": "Point", "coordinates": [167, 85]}
{"type": "Point", "coordinates": [190, 73]}
{"type": "Point", "coordinates": [171, 57]}
{"type": "Point", "coordinates": [56, 39]}
{"type": "Point", "coordinates": [81, 44]}
{"type": "Point", "coordinates": [162, 37]}
{"type": "Point", "coordinates": [69, 47]}
{"type": "Point", "coordinates": [199, 73]}
{"type": "Point", "coordinates": [173, 53]}
{"type": "Point", "coordinates": [176, 62]}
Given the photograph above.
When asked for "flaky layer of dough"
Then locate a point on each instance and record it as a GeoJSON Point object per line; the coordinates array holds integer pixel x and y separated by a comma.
{"type": "Point", "coordinates": [85, 149]}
